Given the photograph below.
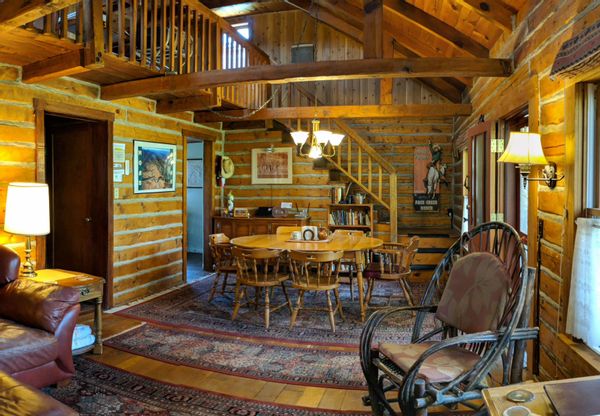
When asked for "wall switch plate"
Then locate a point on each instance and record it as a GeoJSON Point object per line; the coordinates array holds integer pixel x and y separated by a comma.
{"type": "Point", "coordinates": [497, 146]}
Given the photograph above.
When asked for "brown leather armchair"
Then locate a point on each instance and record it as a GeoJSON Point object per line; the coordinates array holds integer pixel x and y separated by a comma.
{"type": "Point", "coordinates": [36, 326]}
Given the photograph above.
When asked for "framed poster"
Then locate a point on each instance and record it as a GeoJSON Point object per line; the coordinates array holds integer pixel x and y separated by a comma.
{"type": "Point", "coordinates": [195, 173]}
{"type": "Point", "coordinates": [429, 173]}
{"type": "Point", "coordinates": [154, 167]}
{"type": "Point", "coordinates": [272, 166]}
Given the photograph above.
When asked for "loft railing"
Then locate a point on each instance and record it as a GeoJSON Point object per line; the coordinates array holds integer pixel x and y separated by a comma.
{"type": "Point", "coordinates": [167, 36]}
{"type": "Point", "coordinates": [356, 159]}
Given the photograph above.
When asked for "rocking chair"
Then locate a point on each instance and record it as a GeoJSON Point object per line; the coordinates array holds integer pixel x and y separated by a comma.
{"type": "Point", "coordinates": [480, 296]}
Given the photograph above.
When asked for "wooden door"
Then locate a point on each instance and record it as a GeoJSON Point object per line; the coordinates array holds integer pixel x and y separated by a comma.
{"type": "Point", "coordinates": [77, 174]}
{"type": "Point", "coordinates": [479, 165]}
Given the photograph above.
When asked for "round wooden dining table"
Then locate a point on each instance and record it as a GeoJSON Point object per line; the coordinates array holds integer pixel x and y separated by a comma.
{"type": "Point", "coordinates": [336, 242]}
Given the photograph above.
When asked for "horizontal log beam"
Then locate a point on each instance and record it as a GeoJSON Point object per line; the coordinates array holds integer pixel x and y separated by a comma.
{"type": "Point", "coordinates": [15, 13]}
{"type": "Point", "coordinates": [493, 10]}
{"type": "Point", "coordinates": [67, 64]}
{"type": "Point", "coordinates": [437, 27]}
{"type": "Point", "coordinates": [315, 71]}
{"type": "Point", "coordinates": [342, 111]}
{"type": "Point", "coordinates": [204, 101]}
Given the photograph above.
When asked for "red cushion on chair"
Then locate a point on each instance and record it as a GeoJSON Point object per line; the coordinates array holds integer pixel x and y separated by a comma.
{"type": "Point", "coordinates": [476, 293]}
{"type": "Point", "coordinates": [441, 367]}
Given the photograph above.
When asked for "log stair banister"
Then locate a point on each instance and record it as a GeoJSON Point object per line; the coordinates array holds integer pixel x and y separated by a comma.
{"type": "Point", "coordinates": [379, 171]}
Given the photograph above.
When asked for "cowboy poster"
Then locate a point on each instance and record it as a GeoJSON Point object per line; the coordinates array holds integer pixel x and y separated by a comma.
{"type": "Point", "coordinates": [429, 172]}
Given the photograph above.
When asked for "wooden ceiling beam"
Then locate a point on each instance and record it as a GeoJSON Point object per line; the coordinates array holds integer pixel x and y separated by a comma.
{"type": "Point", "coordinates": [15, 13]}
{"type": "Point", "coordinates": [329, 18]}
{"type": "Point", "coordinates": [437, 27]}
{"type": "Point", "coordinates": [239, 9]}
{"type": "Point", "coordinates": [493, 10]}
{"type": "Point", "coordinates": [203, 101]}
{"type": "Point", "coordinates": [314, 71]}
{"type": "Point", "coordinates": [343, 111]}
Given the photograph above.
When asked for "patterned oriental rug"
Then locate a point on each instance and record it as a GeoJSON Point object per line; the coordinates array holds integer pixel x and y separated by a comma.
{"type": "Point", "coordinates": [188, 308]}
{"type": "Point", "coordinates": [184, 329]}
{"type": "Point", "coordinates": [102, 390]}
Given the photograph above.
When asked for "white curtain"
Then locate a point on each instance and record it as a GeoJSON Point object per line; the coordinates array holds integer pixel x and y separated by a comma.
{"type": "Point", "coordinates": [583, 318]}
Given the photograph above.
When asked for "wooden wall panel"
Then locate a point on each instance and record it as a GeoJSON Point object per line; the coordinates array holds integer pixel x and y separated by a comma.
{"type": "Point", "coordinates": [541, 28]}
{"type": "Point", "coordinates": [148, 228]}
{"type": "Point", "coordinates": [276, 33]}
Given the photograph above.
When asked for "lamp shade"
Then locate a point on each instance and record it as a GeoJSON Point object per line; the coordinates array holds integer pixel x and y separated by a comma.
{"type": "Point", "coordinates": [524, 149]}
{"type": "Point", "coordinates": [27, 209]}
{"type": "Point", "coordinates": [299, 137]}
{"type": "Point", "coordinates": [336, 138]}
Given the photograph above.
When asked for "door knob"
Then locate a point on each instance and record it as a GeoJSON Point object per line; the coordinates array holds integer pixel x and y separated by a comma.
{"type": "Point", "coordinates": [88, 219]}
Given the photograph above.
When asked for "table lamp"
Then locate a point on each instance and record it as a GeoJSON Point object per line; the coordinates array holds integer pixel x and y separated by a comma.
{"type": "Point", "coordinates": [28, 214]}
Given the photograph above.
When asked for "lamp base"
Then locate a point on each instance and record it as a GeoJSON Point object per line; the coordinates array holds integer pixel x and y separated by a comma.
{"type": "Point", "coordinates": [27, 268]}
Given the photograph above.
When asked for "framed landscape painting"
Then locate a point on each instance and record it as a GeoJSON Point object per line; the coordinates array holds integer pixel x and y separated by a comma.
{"type": "Point", "coordinates": [154, 167]}
{"type": "Point", "coordinates": [272, 166]}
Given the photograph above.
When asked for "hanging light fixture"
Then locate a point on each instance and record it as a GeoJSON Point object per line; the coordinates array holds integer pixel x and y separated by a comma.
{"type": "Point", "coordinates": [316, 143]}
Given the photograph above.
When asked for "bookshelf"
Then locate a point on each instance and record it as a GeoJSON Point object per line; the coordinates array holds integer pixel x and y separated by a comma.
{"type": "Point", "coordinates": [350, 217]}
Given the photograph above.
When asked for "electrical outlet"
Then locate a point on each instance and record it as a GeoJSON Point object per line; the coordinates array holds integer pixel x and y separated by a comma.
{"type": "Point", "coordinates": [116, 193]}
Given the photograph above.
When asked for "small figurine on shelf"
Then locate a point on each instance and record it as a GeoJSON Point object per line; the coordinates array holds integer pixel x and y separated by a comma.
{"type": "Point", "coordinates": [230, 204]}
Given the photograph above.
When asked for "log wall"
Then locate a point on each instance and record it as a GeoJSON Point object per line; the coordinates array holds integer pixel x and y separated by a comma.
{"type": "Point", "coordinates": [541, 28]}
{"type": "Point", "coordinates": [147, 227]}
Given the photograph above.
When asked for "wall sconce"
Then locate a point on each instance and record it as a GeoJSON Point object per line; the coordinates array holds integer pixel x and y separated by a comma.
{"type": "Point", "coordinates": [525, 150]}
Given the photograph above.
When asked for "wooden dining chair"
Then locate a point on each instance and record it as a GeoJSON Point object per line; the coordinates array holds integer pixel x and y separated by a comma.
{"type": "Point", "coordinates": [392, 262]}
{"type": "Point", "coordinates": [224, 264]}
{"type": "Point", "coordinates": [286, 229]}
{"type": "Point", "coordinates": [349, 261]}
{"type": "Point", "coordinates": [259, 268]}
{"type": "Point", "coordinates": [318, 272]}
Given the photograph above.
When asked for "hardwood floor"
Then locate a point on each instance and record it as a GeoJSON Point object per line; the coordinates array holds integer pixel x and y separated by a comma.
{"type": "Point", "coordinates": [317, 397]}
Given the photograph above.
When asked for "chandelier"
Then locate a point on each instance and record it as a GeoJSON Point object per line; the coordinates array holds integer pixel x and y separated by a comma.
{"type": "Point", "coordinates": [316, 143]}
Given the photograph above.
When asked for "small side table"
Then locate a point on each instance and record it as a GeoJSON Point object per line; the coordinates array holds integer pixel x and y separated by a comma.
{"type": "Point", "coordinates": [90, 289]}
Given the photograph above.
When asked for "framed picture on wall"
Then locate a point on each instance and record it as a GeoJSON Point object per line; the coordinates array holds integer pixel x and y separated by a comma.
{"type": "Point", "coordinates": [154, 167]}
{"type": "Point", "coordinates": [272, 166]}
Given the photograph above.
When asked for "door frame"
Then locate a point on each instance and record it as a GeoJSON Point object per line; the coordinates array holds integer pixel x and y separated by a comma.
{"type": "Point", "coordinates": [41, 108]}
{"type": "Point", "coordinates": [208, 137]}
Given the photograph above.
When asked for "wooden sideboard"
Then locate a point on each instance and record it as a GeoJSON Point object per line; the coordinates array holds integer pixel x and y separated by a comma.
{"type": "Point", "coordinates": [240, 227]}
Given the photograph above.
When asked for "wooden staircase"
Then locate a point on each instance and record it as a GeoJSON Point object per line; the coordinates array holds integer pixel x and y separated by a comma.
{"type": "Point", "coordinates": [362, 165]}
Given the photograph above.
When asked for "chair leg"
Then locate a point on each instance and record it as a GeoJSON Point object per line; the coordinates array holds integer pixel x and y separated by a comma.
{"type": "Point", "coordinates": [214, 287]}
{"type": "Point", "coordinates": [407, 292]}
{"type": "Point", "coordinates": [267, 308]}
{"type": "Point", "coordinates": [257, 291]}
{"type": "Point", "coordinates": [338, 301]}
{"type": "Point", "coordinates": [330, 307]}
{"type": "Point", "coordinates": [351, 283]}
{"type": "Point", "coordinates": [370, 285]}
{"type": "Point", "coordinates": [299, 304]}
{"type": "Point", "coordinates": [287, 298]}
{"type": "Point", "coordinates": [236, 302]}
{"type": "Point", "coordinates": [224, 283]}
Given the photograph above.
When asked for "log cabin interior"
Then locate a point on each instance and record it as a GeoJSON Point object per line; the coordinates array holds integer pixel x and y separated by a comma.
{"type": "Point", "coordinates": [299, 207]}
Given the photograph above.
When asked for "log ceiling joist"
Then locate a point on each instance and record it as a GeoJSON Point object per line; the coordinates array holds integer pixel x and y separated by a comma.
{"type": "Point", "coordinates": [437, 27]}
{"type": "Point", "coordinates": [314, 71]}
{"type": "Point", "coordinates": [493, 10]}
{"type": "Point", "coordinates": [348, 20]}
{"type": "Point", "coordinates": [15, 13]}
{"type": "Point", "coordinates": [343, 111]}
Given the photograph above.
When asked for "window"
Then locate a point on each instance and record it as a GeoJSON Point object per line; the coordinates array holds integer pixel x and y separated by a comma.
{"type": "Point", "coordinates": [515, 191]}
{"type": "Point", "coordinates": [243, 29]}
{"type": "Point", "coordinates": [591, 147]}
{"type": "Point", "coordinates": [479, 173]}
{"type": "Point", "coordinates": [234, 54]}
{"type": "Point", "coordinates": [583, 312]}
